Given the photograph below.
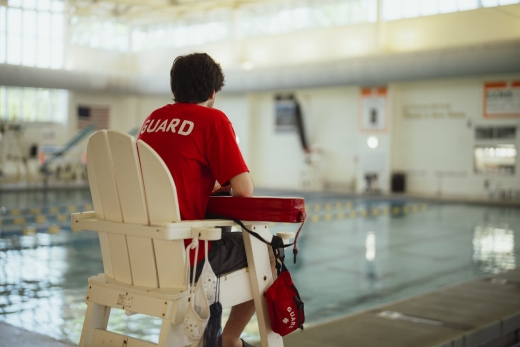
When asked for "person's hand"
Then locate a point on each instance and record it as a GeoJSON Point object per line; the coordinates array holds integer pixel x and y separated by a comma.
{"type": "Point", "coordinates": [219, 190]}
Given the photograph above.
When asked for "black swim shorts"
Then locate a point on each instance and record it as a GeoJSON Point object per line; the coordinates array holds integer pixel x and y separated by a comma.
{"type": "Point", "coordinates": [226, 255]}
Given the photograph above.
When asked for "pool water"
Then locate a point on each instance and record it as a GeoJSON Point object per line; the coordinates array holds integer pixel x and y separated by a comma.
{"type": "Point", "coordinates": [354, 253]}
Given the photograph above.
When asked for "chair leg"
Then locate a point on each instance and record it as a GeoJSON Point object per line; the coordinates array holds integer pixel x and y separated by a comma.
{"type": "Point", "coordinates": [171, 335]}
{"type": "Point", "coordinates": [261, 277]}
{"type": "Point", "coordinates": [95, 318]}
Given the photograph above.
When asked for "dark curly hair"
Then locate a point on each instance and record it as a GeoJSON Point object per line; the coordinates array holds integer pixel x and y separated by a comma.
{"type": "Point", "coordinates": [194, 77]}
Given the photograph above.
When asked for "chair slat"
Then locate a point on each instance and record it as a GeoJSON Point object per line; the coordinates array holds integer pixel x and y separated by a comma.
{"type": "Point", "coordinates": [98, 209]}
{"type": "Point", "coordinates": [170, 257]}
{"type": "Point", "coordinates": [94, 191]}
{"type": "Point", "coordinates": [105, 254]}
{"type": "Point", "coordinates": [103, 171]}
{"type": "Point", "coordinates": [129, 182]}
{"type": "Point", "coordinates": [104, 176]}
{"type": "Point", "coordinates": [161, 194]}
{"type": "Point", "coordinates": [128, 177]}
{"type": "Point", "coordinates": [120, 259]}
{"type": "Point", "coordinates": [163, 207]}
{"type": "Point", "coordinates": [142, 261]}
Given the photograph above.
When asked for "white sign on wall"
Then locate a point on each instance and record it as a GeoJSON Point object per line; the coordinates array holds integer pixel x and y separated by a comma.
{"type": "Point", "coordinates": [373, 109]}
{"type": "Point", "coordinates": [502, 99]}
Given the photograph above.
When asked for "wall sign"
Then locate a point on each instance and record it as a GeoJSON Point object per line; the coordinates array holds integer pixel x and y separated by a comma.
{"type": "Point", "coordinates": [373, 109]}
{"type": "Point", "coordinates": [285, 114]}
{"type": "Point", "coordinates": [502, 99]}
{"type": "Point", "coordinates": [431, 111]}
{"type": "Point", "coordinates": [97, 115]}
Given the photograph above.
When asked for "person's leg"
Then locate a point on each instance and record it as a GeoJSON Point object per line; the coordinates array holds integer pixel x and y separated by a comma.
{"type": "Point", "coordinates": [237, 321]}
{"type": "Point", "coordinates": [227, 256]}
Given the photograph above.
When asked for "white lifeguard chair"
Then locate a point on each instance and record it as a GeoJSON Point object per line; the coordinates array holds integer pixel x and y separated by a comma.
{"type": "Point", "coordinates": [136, 215]}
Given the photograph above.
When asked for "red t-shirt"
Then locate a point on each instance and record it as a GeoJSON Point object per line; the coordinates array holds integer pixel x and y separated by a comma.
{"type": "Point", "coordinates": [198, 144]}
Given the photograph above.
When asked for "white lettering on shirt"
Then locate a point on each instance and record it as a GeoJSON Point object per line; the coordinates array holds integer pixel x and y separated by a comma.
{"type": "Point", "coordinates": [152, 126]}
{"type": "Point", "coordinates": [145, 125]}
{"type": "Point", "coordinates": [186, 131]}
{"type": "Point", "coordinates": [162, 127]}
{"type": "Point", "coordinates": [150, 129]}
{"type": "Point", "coordinates": [173, 125]}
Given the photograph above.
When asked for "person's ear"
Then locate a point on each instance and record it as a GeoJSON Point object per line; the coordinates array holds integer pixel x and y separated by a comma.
{"type": "Point", "coordinates": [212, 96]}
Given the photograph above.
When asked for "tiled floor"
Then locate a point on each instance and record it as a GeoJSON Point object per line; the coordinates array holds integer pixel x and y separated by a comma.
{"type": "Point", "coordinates": [484, 312]}
{"type": "Point", "coordinates": [354, 253]}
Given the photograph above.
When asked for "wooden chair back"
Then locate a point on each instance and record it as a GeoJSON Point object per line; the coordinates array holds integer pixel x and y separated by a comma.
{"type": "Point", "coordinates": [130, 183]}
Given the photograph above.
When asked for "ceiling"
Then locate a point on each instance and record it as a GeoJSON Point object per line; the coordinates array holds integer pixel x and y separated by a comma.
{"type": "Point", "coordinates": [490, 59]}
{"type": "Point", "coordinates": [147, 11]}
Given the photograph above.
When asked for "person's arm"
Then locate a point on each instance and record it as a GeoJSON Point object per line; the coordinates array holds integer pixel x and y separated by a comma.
{"type": "Point", "coordinates": [242, 185]}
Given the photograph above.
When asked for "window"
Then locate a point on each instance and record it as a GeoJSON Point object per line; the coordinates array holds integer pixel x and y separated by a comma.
{"type": "Point", "coordinates": [399, 9]}
{"type": "Point", "coordinates": [221, 24]}
{"type": "Point", "coordinates": [33, 105]}
{"type": "Point", "coordinates": [32, 33]}
{"type": "Point", "coordinates": [492, 3]}
{"type": "Point", "coordinates": [96, 33]}
{"type": "Point", "coordinates": [500, 132]}
{"type": "Point", "coordinates": [281, 17]}
{"type": "Point", "coordinates": [495, 159]}
{"type": "Point", "coordinates": [183, 33]}
{"type": "Point", "coordinates": [3, 34]}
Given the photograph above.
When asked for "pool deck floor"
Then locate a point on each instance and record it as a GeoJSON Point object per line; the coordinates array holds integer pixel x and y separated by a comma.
{"type": "Point", "coordinates": [15, 337]}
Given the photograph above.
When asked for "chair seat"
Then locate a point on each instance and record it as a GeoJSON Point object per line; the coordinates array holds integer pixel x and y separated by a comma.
{"type": "Point", "coordinates": [235, 287]}
{"type": "Point", "coordinates": [105, 281]}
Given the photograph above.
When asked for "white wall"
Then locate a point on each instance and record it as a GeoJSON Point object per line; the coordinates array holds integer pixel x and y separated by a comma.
{"type": "Point", "coordinates": [331, 122]}
{"type": "Point", "coordinates": [276, 160]}
{"type": "Point", "coordinates": [424, 149]}
{"type": "Point", "coordinates": [236, 107]}
{"type": "Point", "coordinates": [436, 153]}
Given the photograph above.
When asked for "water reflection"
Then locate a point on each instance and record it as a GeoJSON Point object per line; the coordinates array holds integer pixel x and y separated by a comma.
{"type": "Point", "coordinates": [370, 245]}
{"type": "Point", "coordinates": [371, 272]}
{"type": "Point", "coordinates": [493, 248]}
{"type": "Point", "coordinates": [30, 287]}
{"type": "Point", "coordinates": [42, 283]}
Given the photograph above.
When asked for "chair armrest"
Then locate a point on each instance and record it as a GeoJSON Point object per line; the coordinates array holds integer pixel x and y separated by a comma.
{"type": "Point", "coordinates": [210, 234]}
{"type": "Point", "coordinates": [80, 215]}
{"type": "Point", "coordinates": [203, 230]}
{"type": "Point", "coordinates": [207, 229]}
{"type": "Point", "coordinates": [286, 236]}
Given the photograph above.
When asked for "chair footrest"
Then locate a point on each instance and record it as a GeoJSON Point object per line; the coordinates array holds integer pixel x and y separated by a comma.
{"type": "Point", "coordinates": [164, 307]}
{"type": "Point", "coordinates": [110, 339]}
